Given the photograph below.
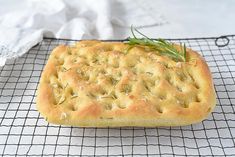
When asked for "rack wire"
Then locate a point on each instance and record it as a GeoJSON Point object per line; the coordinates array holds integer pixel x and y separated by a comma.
{"type": "Point", "coordinates": [23, 132]}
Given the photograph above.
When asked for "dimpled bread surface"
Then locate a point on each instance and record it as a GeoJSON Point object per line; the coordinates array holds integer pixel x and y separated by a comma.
{"type": "Point", "coordinates": [101, 84]}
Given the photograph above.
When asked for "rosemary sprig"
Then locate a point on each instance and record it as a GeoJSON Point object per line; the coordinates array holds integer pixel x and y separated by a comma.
{"type": "Point", "coordinates": [162, 46]}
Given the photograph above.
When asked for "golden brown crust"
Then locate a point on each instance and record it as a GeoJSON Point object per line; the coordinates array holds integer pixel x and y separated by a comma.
{"type": "Point", "coordinates": [99, 84]}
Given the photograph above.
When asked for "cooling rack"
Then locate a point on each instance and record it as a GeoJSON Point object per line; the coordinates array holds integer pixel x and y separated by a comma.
{"type": "Point", "coordinates": [23, 132]}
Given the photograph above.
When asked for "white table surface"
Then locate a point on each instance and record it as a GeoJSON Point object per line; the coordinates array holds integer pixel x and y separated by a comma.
{"type": "Point", "coordinates": [190, 18]}
{"type": "Point", "coordinates": [186, 18]}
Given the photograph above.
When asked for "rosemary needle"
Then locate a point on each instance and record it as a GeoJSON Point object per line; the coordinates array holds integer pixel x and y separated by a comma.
{"type": "Point", "coordinates": [162, 46]}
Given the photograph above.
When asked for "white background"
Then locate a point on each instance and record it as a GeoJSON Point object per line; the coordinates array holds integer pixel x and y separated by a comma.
{"type": "Point", "coordinates": [185, 18]}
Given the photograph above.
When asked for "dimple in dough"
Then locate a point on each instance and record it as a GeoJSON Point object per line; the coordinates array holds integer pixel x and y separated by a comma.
{"type": "Point", "coordinates": [101, 84]}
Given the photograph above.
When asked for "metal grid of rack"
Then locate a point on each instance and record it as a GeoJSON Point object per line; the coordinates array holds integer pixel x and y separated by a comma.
{"type": "Point", "coordinates": [23, 132]}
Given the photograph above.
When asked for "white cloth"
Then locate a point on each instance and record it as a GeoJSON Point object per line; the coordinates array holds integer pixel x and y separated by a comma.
{"type": "Point", "coordinates": [73, 19]}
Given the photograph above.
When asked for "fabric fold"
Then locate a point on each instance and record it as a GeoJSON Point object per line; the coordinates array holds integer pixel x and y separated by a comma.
{"type": "Point", "coordinates": [85, 19]}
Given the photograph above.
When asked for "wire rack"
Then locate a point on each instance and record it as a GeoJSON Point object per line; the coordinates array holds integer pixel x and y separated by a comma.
{"type": "Point", "coordinates": [23, 132]}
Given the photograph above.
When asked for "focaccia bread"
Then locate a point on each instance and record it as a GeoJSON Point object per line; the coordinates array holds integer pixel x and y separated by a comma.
{"type": "Point", "coordinates": [100, 84]}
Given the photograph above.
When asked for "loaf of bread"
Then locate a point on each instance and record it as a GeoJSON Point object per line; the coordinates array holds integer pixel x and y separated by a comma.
{"type": "Point", "coordinates": [101, 84]}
